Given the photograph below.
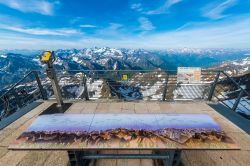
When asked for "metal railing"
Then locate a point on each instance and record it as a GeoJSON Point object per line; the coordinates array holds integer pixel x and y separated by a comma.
{"type": "Point", "coordinates": [230, 93]}
{"type": "Point", "coordinates": [158, 85]}
{"type": "Point", "coordinates": [140, 85]}
{"type": "Point", "coordinates": [25, 91]}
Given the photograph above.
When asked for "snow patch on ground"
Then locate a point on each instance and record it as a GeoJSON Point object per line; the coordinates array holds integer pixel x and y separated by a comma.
{"type": "Point", "coordinates": [94, 88]}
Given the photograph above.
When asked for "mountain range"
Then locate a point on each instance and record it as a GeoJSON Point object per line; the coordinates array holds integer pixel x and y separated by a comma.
{"type": "Point", "coordinates": [14, 64]}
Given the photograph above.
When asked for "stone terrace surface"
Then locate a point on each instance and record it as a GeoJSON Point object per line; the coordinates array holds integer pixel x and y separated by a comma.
{"type": "Point", "coordinates": [189, 157]}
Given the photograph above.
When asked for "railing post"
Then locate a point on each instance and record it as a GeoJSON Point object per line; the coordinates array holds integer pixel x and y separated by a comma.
{"type": "Point", "coordinates": [86, 93]}
{"type": "Point", "coordinates": [236, 103]}
{"type": "Point", "coordinates": [41, 89]}
{"type": "Point", "coordinates": [213, 86]}
{"type": "Point", "coordinates": [18, 100]}
{"type": "Point", "coordinates": [165, 89]}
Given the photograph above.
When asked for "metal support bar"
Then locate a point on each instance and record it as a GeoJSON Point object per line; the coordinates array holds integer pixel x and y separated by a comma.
{"type": "Point", "coordinates": [125, 156]}
{"type": "Point", "coordinates": [86, 93]}
{"type": "Point", "coordinates": [236, 103]}
{"type": "Point", "coordinates": [84, 158]}
{"type": "Point", "coordinates": [41, 89]}
{"type": "Point", "coordinates": [213, 86]}
{"type": "Point", "coordinates": [165, 89]}
{"type": "Point", "coordinates": [17, 98]}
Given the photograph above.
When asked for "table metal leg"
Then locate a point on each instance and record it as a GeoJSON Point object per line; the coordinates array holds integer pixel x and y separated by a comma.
{"type": "Point", "coordinates": [172, 159]}
{"type": "Point", "coordinates": [76, 158]}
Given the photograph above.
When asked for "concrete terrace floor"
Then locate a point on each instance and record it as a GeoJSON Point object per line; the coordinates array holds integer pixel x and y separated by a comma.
{"type": "Point", "coordinates": [188, 158]}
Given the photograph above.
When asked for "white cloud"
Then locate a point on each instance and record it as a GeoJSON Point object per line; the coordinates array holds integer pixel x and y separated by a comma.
{"type": "Point", "coordinates": [40, 31]}
{"type": "Point", "coordinates": [215, 11]}
{"type": "Point", "coordinates": [164, 8]}
{"type": "Point", "coordinates": [233, 33]}
{"type": "Point", "coordinates": [113, 30]}
{"type": "Point", "coordinates": [32, 6]}
{"type": "Point", "coordinates": [87, 26]}
{"type": "Point", "coordinates": [136, 7]}
{"type": "Point", "coordinates": [145, 24]}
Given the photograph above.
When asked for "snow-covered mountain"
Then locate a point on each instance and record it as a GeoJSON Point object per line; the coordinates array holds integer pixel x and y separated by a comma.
{"type": "Point", "coordinates": [234, 67]}
{"type": "Point", "coordinates": [14, 64]}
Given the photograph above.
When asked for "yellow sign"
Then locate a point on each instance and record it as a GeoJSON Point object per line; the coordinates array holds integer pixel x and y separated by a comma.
{"type": "Point", "coordinates": [124, 77]}
{"type": "Point", "coordinates": [46, 55]}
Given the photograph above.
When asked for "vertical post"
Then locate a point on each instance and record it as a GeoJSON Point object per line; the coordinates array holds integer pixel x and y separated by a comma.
{"type": "Point", "coordinates": [42, 91]}
{"type": "Point", "coordinates": [18, 100]}
{"type": "Point", "coordinates": [165, 89]}
{"type": "Point", "coordinates": [86, 93]}
{"type": "Point", "coordinates": [213, 86]}
{"type": "Point", "coordinates": [52, 75]}
{"type": "Point", "coordinates": [236, 103]}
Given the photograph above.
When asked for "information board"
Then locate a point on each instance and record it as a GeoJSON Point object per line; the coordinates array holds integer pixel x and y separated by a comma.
{"type": "Point", "coordinates": [123, 131]}
{"type": "Point", "coordinates": [189, 74]}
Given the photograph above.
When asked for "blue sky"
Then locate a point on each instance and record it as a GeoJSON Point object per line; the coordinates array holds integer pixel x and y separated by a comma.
{"type": "Point", "coordinates": [150, 24]}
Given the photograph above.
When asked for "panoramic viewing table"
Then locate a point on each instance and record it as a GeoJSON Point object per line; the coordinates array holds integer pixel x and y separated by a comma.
{"type": "Point", "coordinates": [83, 135]}
{"type": "Point", "coordinates": [188, 157]}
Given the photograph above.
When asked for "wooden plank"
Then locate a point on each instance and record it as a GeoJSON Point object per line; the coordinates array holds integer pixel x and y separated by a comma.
{"type": "Point", "coordinates": [141, 107]}
{"type": "Point", "coordinates": [153, 107]}
{"type": "Point", "coordinates": [90, 107]}
{"type": "Point", "coordinates": [234, 157]}
{"type": "Point", "coordinates": [198, 157]}
{"type": "Point", "coordinates": [57, 158]}
{"type": "Point", "coordinates": [183, 107]}
{"type": "Point", "coordinates": [115, 107]}
{"type": "Point", "coordinates": [184, 160]}
{"type": "Point", "coordinates": [76, 108]}
{"type": "Point", "coordinates": [3, 151]}
{"type": "Point", "coordinates": [128, 107]}
{"type": "Point", "coordinates": [103, 107]}
{"type": "Point", "coordinates": [34, 158]}
{"type": "Point", "coordinates": [12, 158]}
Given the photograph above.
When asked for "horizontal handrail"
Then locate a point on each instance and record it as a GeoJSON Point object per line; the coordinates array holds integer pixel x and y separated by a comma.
{"type": "Point", "coordinates": [235, 83]}
{"type": "Point", "coordinates": [12, 87]}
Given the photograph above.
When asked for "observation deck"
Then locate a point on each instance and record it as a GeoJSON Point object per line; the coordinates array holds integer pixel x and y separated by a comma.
{"type": "Point", "coordinates": [188, 157]}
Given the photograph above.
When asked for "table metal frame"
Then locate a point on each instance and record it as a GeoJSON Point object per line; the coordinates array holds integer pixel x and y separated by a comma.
{"type": "Point", "coordinates": [89, 157]}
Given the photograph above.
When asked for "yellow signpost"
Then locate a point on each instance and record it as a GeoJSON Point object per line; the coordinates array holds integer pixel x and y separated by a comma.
{"type": "Point", "coordinates": [124, 77]}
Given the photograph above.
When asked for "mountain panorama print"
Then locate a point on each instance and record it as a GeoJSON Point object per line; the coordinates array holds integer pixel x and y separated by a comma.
{"type": "Point", "coordinates": [123, 131]}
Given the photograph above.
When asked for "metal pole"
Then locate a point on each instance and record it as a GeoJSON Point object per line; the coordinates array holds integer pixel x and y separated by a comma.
{"type": "Point", "coordinates": [41, 89]}
{"type": "Point", "coordinates": [52, 75]}
{"type": "Point", "coordinates": [236, 103]}
{"type": "Point", "coordinates": [17, 98]}
{"type": "Point", "coordinates": [165, 89]}
{"type": "Point", "coordinates": [86, 93]}
{"type": "Point", "coordinates": [213, 86]}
